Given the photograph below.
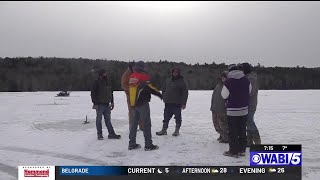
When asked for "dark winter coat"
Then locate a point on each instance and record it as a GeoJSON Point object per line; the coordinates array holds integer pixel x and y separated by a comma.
{"type": "Point", "coordinates": [253, 100]}
{"type": "Point", "coordinates": [175, 91]}
{"type": "Point", "coordinates": [101, 92]}
{"type": "Point", "coordinates": [217, 102]}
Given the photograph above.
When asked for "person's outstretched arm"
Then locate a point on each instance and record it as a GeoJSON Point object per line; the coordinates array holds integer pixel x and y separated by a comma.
{"type": "Point", "coordinates": [154, 90]}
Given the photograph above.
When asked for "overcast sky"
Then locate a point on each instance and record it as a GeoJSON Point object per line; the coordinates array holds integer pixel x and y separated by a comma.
{"type": "Point", "coordinates": [271, 33]}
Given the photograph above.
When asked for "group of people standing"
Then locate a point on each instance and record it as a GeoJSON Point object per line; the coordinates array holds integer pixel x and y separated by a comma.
{"type": "Point", "coordinates": [233, 105]}
{"type": "Point", "coordinates": [136, 84]}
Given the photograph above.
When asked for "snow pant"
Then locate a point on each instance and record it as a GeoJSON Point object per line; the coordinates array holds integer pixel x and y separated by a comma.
{"type": "Point", "coordinates": [140, 112]}
{"type": "Point", "coordinates": [129, 113]}
{"type": "Point", "coordinates": [220, 124]}
{"type": "Point", "coordinates": [171, 109]}
{"type": "Point", "coordinates": [253, 135]}
{"type": "Point", "coordinates": [105, 110]}
{"type": "Point", "coordinates": [237, 133]}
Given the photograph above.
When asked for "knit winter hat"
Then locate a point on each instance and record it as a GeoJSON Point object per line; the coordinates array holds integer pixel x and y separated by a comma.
{"type": "Point", "coordinates": [246, 68]}
{"type": "Point", "coordinates": [178, 69]}
{"type": "Point", "coordinates": [139, 66]}
{"type": "Point", "coordinates": [232, 67]}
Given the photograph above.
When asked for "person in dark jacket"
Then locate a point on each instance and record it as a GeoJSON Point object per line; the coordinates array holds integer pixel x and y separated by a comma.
{"type": "Point", "coordinates": [140, 90]}
{"type": "Point", "coordinates": [175, 96]}
{"type": "Point", "coordinates": [253, 136]}
{"type": "Point", "coordinates": [236, 90]}
{"type": "Point", "coordinates": [102, 99]}
{"type": "Point", "coordinates": [219, 113]}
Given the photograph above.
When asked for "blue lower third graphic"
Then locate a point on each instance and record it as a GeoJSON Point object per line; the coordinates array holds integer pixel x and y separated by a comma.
{"type": "Point", "coordinates": [93, 170]}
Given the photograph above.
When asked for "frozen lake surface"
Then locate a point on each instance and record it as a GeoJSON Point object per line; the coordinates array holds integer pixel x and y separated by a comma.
{"type": "Point", "coordinates": [37, 128]}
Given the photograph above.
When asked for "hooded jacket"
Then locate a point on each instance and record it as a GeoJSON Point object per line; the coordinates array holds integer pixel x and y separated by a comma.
{"type": "Point", "coordinates": [236, 91]}
{"type": "Point", "coordinates": [175, 90]}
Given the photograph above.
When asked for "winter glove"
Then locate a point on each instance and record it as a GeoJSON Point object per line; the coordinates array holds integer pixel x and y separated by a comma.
{"type": "Point", "coordinates": [112, 106]}
{"type": "Point", "coordinates": [95, 106]}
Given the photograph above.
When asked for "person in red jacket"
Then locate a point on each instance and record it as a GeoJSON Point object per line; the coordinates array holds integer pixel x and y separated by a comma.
{"type": "Point", "coordinates": [125, 86]}
{"type": "Point", "coordinates": [140, 90]}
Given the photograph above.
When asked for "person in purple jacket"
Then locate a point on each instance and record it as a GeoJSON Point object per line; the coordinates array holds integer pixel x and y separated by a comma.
{"type": "Point", "coordinates": [236, 92]}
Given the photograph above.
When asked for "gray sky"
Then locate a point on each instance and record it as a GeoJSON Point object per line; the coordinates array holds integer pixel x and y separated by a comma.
{"type": "Point", "coordinates": [271, 33]}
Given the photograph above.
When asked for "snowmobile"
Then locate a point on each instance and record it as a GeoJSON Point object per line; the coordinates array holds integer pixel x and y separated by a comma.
{"type": "Point", "coordinates": [63, 93]}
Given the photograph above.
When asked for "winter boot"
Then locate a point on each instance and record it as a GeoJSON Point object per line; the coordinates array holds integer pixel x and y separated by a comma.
{"type": "Point", "coordinates": [151, 148]}
{"type": "Point", "coordinates": [135, 146]}
{"type": "Point", "coordinates": [176, 132]}
{"type": "Point", "coordinates": [256, 137]}
{"type": "Point", "coordinates": [100, 137]}
{"type": "Point", "coordinates": [114, 136]}
{"type": "Point", "coordinates": [228, 153]}
{"type": "Point", "coordinates": [249, 138]}
{"type": "Point", "coordinates": [164, 130]}
{"type": "Point", "coordinates": [243, 153]}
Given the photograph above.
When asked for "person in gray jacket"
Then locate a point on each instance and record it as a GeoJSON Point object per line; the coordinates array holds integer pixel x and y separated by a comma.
{"type": "Point", "coordinates": [175, 96]}
{"type": "Point", "coordinates": [253, 136]}
{"type": "Point", "coordinates": [219, 112]}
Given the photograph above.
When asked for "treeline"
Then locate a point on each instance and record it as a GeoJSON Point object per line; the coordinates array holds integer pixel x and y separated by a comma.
{"type": "Point", "coordinates": [56, 74]}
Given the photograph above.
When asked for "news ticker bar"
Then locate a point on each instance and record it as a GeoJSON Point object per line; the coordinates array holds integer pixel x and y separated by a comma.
{"type": "Point", "coordinates": [124, 172]}
{"type": "Point", "coordinates": [173, 170]}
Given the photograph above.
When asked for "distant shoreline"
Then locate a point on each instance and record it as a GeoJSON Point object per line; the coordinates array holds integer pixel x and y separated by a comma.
{"type": "Point", "coordinates": [27, 74]}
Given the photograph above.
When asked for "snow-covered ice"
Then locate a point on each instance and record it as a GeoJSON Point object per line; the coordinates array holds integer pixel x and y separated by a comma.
{"type": "Point", "coordinates": [37, 128]}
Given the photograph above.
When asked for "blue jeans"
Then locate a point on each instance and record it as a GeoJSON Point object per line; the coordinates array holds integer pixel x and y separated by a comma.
{"type": "Point", "coordinates": [170, 110]}
{"type": "Point", "coordinates": [251, 125]}
{"type": "Point", "coordinates": [104, 110]}
{"type": "Point", "coordinates": [141, 112]}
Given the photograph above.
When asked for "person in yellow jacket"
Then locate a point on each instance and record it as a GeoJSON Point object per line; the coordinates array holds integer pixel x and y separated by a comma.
{"type": "Point", "coordinates": [125, 86]}
{"type": "Point", "coordinates": [140, 90]}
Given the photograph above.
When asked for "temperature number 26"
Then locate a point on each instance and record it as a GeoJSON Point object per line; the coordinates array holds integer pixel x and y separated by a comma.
{"type": "Point", "coordinates": [280, 170]}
